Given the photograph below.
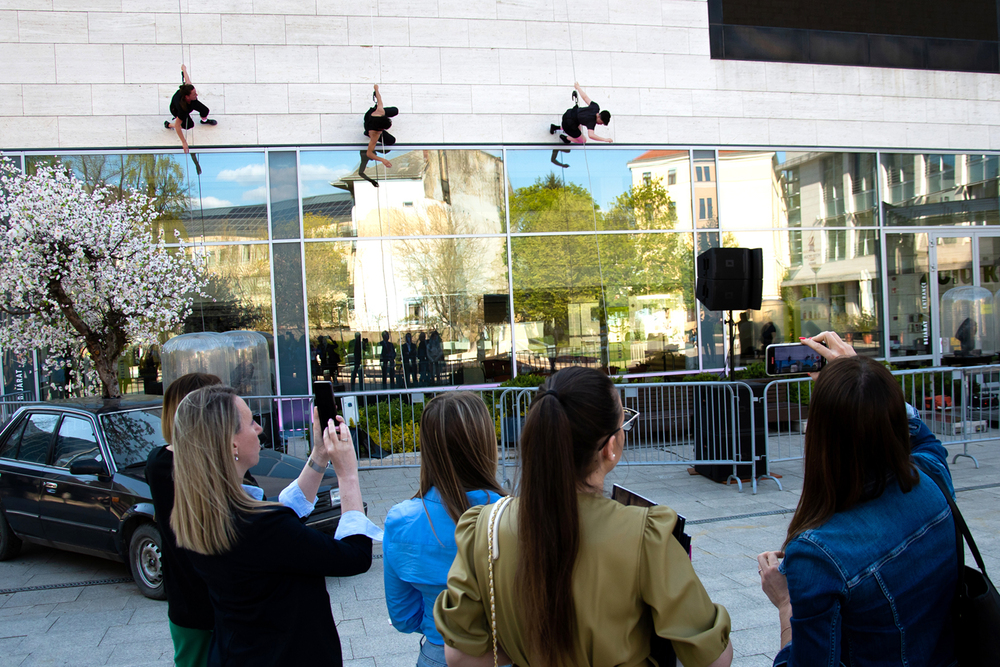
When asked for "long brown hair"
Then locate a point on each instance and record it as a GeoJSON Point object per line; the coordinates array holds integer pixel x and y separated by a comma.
{"type": "Point", "coordinates": [858, 441]}
{"type": "Point", "coordinates": [177, 390]}
{"type": "Point", "coordinates": [207, 487]}
{"type": "Point", "coordinates": [570, 419]}
{"type": "Point", "coordinates": [458, 449]}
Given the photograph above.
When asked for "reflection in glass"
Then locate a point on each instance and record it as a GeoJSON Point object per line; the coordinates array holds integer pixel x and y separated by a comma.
{"type": "Point", "coordinates": [284, 184]}
{"type": "Point", "coordinates": [907, 268]}
{"type": "Point", "coordinates": [595, 191]}
{"type": "Point", "coordinates": [936, 189]}
{"type": "Point", "coordinates": [238, 291]}
{"type": "Point", "coordinates": [326, 206]}
{"type": "Point", "coordinates": [227, 202]}
{"type": "Point", "coordinates": [427, 192]}
{"type": "Point", "coordinates": [419, 286]}
{"type": "Point", "coordinates": [290, 326]}
{"type": "Point", "coordinates": [625, 301]}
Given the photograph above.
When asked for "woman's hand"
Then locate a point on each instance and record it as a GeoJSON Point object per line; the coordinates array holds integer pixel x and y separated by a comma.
{"type": "Point", "coordinates": [339, 448]}
{"type": "Point", "coordinates": [775, 586]}
{"type": "Point", "coordinates": [773, 582]}
{"type": "Point", "coordinates": [834, 347]}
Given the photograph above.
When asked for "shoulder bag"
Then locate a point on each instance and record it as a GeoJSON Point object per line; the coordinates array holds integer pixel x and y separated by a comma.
{"type": "Point", "coordinates": [976, 609]}
{"type": "Point", "coordinates": [493, 536]}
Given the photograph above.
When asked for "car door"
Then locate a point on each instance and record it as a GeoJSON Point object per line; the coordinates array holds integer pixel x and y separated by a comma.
{"type": "Point", "coordinates": [76, 510]}
{"type": "Point", "coordinates": [22, 465]}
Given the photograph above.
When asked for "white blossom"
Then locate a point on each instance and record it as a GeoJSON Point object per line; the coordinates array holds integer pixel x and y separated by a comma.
{"type": "Point", "coordinates": [82, 271]}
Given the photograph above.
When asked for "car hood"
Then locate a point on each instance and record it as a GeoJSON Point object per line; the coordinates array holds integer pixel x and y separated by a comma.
{"type": "Point", "coordinates": [275, 470]}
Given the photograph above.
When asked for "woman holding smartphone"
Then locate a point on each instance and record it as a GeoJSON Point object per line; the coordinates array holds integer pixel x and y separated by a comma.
{"type": "Point", "coordinates": [867, 572]}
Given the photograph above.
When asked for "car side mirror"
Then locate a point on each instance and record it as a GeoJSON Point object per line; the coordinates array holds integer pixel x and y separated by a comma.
{"type": "Point", "coordinates": [88, 467]}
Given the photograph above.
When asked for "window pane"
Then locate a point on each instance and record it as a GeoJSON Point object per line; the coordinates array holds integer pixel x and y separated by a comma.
{"type": "Point", "coordinates": [132, 435]}
{"type": "Point", "coordinates": [936, 189]}
{"type": "Point", "coordinates": [327, 202]}
{"type": "Point", "coordinates": [76, 441]}
{"type": "Point", "coordinates": [291, 344]}
{"type": "Point", "coordinates": [642, 320]}
{"type": "Point", "coordinates": [284, 184]}
{"type": "Point", "coordinates": [36, 438]}
{"type": "Point", "coordinates": [414, 286]}
{"type": "Point", "coordinates": [424, 192]}
{"type": "Point", "coordinates": [227, 202]}
{"type": "Point", "coordinates": [238, 289]}
{"type": "Point", "coordinates": [599, 190]}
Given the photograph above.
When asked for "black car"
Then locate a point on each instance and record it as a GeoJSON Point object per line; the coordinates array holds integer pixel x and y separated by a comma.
{"type": "Point", "coordinates": [72, 476]}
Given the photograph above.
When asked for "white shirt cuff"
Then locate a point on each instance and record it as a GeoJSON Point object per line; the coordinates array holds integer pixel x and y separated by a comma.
{"type": "Point", "coordinates": [292, 497]}
{"type": "Point", "coordinates": [354, 522]}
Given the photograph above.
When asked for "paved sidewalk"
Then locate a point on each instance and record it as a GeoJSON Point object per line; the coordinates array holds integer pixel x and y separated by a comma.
{"type": "Point", "coordinates": [115, 625]}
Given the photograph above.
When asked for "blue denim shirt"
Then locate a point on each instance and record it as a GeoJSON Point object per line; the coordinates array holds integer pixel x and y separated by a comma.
{"type": "Point", "coordinates": [416, 559]}
{"type": "Point", "coordinates": [873, 586]}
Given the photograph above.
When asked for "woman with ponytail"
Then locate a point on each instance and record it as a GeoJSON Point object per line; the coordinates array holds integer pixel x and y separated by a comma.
{"type": "Point", "coordinates": [577, 579]}
{"type": "Point", "coordinates": [458, 467]}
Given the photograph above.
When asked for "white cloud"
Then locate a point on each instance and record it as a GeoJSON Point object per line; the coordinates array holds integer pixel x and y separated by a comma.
{"type": "Point", "coordinates": [321, 172]}
{"type": "Point", "coordinates": [209, 202]}
{"type": "Point", "coordinates": [250, 174]}
{"type": "Point", "coordinates": [255, 196]}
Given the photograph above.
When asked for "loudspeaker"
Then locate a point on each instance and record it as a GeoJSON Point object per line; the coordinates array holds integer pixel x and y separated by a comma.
{"type": "Point", "coordinates": [730, 278]}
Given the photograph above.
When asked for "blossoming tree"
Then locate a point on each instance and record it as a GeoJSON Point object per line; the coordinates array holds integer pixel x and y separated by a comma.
{"type": "Point", "coordinates": [81, 269]}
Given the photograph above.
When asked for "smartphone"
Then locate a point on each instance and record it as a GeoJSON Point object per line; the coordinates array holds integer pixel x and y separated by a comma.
{"type": "Point", "coordinates": [323, 393]}
{"type": "Point", "coordinates": [792, 359]}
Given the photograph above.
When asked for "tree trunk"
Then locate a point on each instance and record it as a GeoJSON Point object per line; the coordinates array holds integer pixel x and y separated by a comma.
{"type": "Point", "coordinates": [107, 369]}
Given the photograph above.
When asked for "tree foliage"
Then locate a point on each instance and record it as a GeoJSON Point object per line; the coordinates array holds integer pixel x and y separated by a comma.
{"type": "Point", "coordinates": [80, 271]}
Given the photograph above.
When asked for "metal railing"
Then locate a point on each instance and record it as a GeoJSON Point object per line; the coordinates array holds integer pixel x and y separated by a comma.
{"type": "Point", "coordinates": [9, 403]}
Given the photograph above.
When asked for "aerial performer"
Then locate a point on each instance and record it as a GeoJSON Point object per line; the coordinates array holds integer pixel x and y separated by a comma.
{"type": "Point", "coordinates": [378, 120]}
{"type": "Point", "coordinates": [576, 118]}
{"type": "Point", "coordinates": [184, 101]}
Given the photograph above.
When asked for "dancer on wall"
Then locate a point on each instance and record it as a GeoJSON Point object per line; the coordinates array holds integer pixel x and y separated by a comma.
{"type": "Point", "coordinates": [378, 120]}
{"type": "Point", "coordinates": [184, 101]}
{"type": "Point", "coordinates": [576, 118]}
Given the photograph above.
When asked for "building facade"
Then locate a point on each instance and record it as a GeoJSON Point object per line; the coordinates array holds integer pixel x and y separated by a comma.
{"type": "Point", "coordinates": [868, 176]}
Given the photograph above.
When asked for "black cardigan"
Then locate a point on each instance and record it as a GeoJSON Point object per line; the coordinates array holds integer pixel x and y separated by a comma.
{"type": "Point", "coordinates": [269, 591]}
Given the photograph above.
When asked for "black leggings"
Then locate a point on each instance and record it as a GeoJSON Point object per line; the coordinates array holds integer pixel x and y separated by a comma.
{"type": "Point", "coordinates": [186, 122]}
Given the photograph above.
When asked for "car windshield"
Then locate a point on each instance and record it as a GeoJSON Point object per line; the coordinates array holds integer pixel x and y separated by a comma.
{"type": "Point", "coordinates": [132, 435]}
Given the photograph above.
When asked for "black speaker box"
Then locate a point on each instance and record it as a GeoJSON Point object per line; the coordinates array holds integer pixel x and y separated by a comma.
{"type": "Point", "coordinates": [731, 278]}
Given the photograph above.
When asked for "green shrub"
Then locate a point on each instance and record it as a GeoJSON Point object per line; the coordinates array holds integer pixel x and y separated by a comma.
{"type": "Point", "coordinates": [393, 425]}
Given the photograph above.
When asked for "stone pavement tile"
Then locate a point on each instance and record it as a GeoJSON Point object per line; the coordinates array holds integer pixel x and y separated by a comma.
{"type": "Point", "coordinates": [22, 627]}
{"type": "Point", "coordinates": [363, 662]}
{"type": "Point", "coordinates": [8, 645]}
{"type": "Point", "coordinates": [372, 586]}
{"type": "Point", "coordinates": [113, 590]}
{"type": "Point", "coordinates": [761, 640]}
{"type": "Point", "coordinates": [73, 621]}
{"type": "Point", "coordinates": [67, 656]}
{"type": "Point", "coordinates": [352, 628]}
{"type": "Point", "coordinates": [12, 659]}
{"type": "Point", "coordinates": [753, 661]}
{"type": "Point", "coordinates": [368, 610]}
{"type": "Point", "coordinates": [25, 612]}
{"type": "Point", "coordinates": [81, 640]}
{"type": "Point", "coordinates": [406, 659]}
{"type": "Point", "coordinates": [382, 643]}
{"type": "Point", "coordinates": [93, 605]}
{"type": "Point", "coordinates": [156, 614]}
{"type": "Point", "coordinates": [118, 634]}
{"type": "Point", "coordinates": [142, 653]}
{"type": "Point", "coordinates": [28, 598]}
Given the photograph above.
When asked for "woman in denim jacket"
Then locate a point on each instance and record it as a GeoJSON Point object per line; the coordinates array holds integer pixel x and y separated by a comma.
{"type": "Point", "coordinates": [869, 567]}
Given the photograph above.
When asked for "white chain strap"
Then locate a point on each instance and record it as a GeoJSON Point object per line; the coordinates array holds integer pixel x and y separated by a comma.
{"type": "Point", "coordinates": [494, 548]}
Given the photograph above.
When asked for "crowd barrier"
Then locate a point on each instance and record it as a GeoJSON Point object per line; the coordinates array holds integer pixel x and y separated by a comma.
{"type": "Point", "coordinates": [728, 431]}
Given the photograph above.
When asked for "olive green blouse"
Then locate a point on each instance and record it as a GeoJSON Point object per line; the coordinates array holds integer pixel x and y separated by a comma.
{"type": "Point", "coordinates": [629, 579]}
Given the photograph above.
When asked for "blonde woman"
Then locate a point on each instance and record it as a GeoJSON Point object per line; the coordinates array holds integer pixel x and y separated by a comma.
{"type": "Point", "coordinates": [264, 569]}
{"type": "Point", "coordinates": [458, 465]}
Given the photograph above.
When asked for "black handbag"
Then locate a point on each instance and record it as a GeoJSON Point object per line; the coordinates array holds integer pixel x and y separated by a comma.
{"type": "Point", "coordinates": [976, 610]}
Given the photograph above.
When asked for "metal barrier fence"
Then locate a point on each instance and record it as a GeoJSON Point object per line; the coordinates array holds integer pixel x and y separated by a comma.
{"type": "Point", "coordinates": [9, 403]}
{"type": "Point", "coordinates": [960, 405]}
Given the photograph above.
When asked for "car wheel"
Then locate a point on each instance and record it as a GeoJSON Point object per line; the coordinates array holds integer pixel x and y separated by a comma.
{"type": "Point", "coordinates": [10, 544]}
{"type": "Point", "coordinates": [146, 561]}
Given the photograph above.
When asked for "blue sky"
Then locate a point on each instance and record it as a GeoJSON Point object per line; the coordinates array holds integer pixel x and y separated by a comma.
{"type": "Point", "coordinates": [608, 174]}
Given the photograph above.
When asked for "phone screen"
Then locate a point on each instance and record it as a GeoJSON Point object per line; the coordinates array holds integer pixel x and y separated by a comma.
{"type": "Point", "coordinates": [323, 391]}
{"type": "Point", "coordinates": [792, 359]}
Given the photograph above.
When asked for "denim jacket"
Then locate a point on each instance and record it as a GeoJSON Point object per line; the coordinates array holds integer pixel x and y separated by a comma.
{"type": "Point", "coordinates": [873, 586]}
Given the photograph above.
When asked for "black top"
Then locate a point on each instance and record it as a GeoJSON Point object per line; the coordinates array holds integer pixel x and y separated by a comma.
{"type": "Point", "coordinates": [380, 123]}
{"type": "Point", "coordinates": [179, 106]}
{"type": "Point", "coordinates": [270, 594]}
{"type": "Point", "coordinates": [188, 604]}
{"type": "Point", "coordinates": [388, 351]}
{"type": "Point", "coordinates": [409, 351]}
{"type": "Point", "coordinates": [587, 116]}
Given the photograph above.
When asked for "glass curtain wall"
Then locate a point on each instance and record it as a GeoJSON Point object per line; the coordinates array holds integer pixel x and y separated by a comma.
{"type": "Point", "coordinates": [467, 266]}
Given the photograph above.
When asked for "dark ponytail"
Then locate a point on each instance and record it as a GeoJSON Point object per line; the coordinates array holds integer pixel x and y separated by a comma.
{"type": "Point", "coordinates": [570, 419]}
